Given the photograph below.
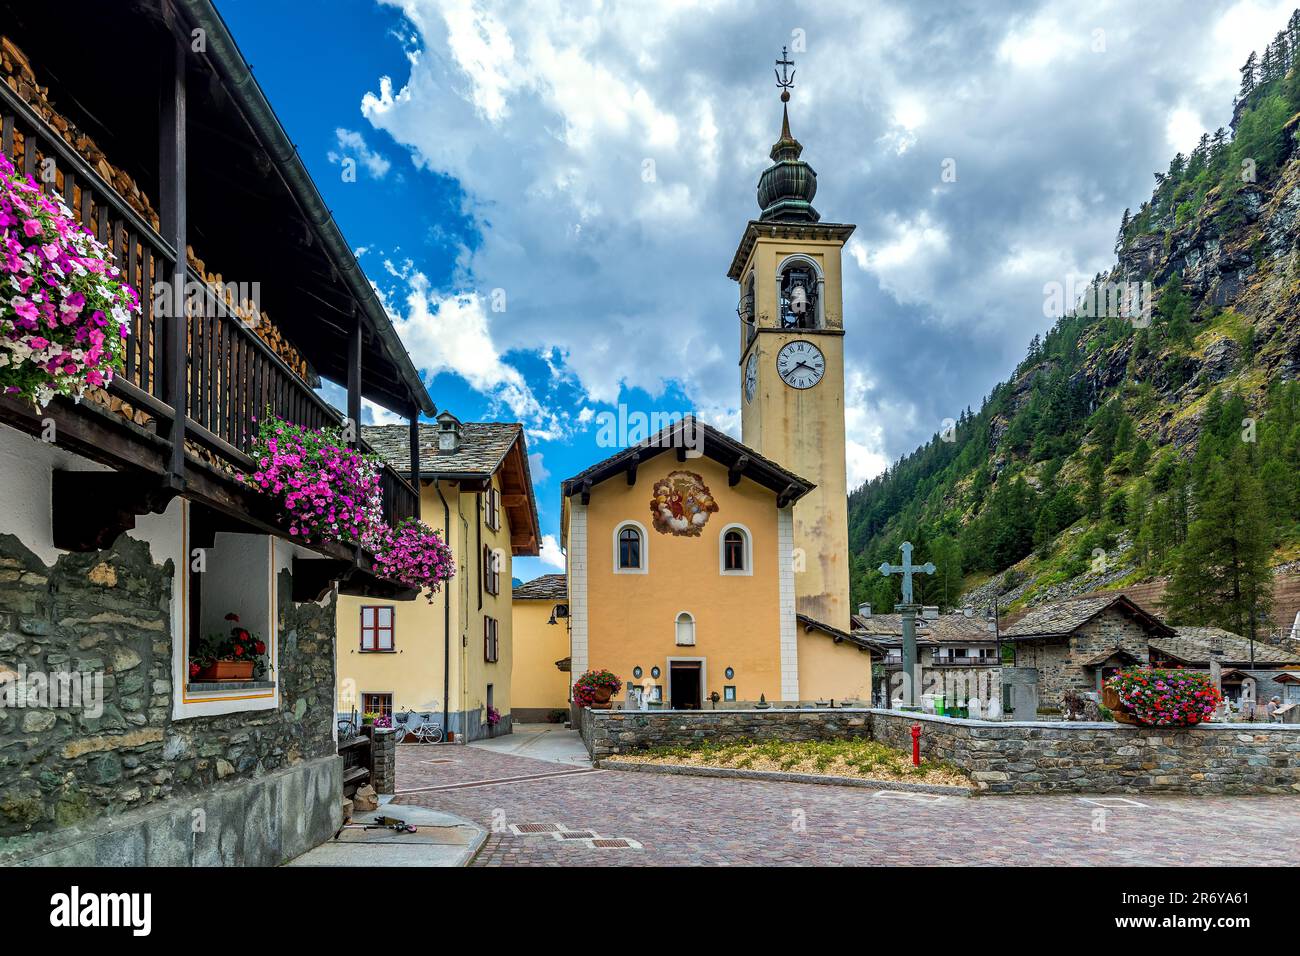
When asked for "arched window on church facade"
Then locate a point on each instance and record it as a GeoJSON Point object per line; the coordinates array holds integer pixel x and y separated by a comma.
{"type": "Point", "coordinates": [799, 286]}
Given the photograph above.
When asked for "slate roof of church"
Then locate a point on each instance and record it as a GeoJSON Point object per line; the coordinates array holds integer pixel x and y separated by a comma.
{"type": "Point", "coordinates": [721, 447]}
{"type": "Point", "coordinates": [548, 587]}
{"type": "Point", "coordinates": [1063, 618]}
{"type": "Point", "coordinates": [483, 447]}
{"type": "Point", "coordinates": [1192, 646]}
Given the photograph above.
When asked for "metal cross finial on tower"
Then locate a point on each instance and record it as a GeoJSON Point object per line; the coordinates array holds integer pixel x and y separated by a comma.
{"type": "Point", "coordinates": [907, 569]}
{"type": "Point", "coordinates": [785, 78]}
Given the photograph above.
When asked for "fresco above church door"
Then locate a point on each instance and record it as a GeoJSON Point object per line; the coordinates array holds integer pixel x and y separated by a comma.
{"type": "Point", "coordinates": [682, 504]}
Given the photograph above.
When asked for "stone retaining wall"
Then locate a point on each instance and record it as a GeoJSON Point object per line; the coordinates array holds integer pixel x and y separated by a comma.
{"type": "Point", "coordinates": [1000, 757]}
{"type": "Point", "coordinates": [1059, 757]}
{"type": "Point", "coordinates": [607, 732]}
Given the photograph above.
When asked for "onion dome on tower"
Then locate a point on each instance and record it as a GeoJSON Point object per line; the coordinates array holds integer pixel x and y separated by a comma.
{"type": "Point", "coordinates": [787, 187]}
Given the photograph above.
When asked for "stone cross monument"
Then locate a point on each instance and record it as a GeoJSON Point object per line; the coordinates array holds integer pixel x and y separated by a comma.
{"type": "Point", "coordinates": [908, 609]}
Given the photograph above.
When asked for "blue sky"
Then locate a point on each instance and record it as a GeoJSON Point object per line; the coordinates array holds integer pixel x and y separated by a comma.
{"type": "Point", "coordinates": [548, 194]}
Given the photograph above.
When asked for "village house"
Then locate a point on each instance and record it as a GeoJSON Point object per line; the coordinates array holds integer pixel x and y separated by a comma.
{"type": "Point", "coordinates": [127, 535]}
{"type": "Point", "coordinates": [1075, 645]}
{"type": "Point", "coordinates": [540, 632]}
{"type": "Point", "coordinates": [956, 653]}
{"type": "Point", "coordinates": [449, 660]}
{"type": "Point", "coordinates": [1256, 669]}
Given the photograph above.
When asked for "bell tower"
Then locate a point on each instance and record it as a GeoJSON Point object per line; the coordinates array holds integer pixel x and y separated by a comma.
{"type": "Point", "coordinates": [792, 362]}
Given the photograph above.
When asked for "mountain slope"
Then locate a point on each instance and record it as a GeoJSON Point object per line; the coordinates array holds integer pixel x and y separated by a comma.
{"type": "Point", "coordinates": [1127, 447]}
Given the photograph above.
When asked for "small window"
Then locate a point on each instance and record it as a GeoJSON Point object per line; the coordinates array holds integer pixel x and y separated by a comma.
{"type": "Point", "coordinates": [737, 554]}
{"type": "Point", "coordinates": [492, 510]}
{"type": "Point", "coordinates": [490, 640]}
{"type": "Point", "coordinates": [377, 628]}
{"type": "Point", "coordinates": [629, 549]}
{"type": "Point", "coordinates": [729, 692]}
{"type": "Point", "coordinates": [381, 704]}
{"type": "Point", "coordinates": [491, 571]}
{"type": "Point", "coordinates": [685, 630]}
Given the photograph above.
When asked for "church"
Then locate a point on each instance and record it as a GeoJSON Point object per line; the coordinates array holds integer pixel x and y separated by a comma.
{"type": "Point", "coordinates": [709, 572]}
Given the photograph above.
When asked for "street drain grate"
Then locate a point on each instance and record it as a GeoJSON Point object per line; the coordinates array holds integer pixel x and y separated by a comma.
{"type": "Point", "coordinates": [570, 837]}
{"type": "Point", "coordinates": [522, 828]}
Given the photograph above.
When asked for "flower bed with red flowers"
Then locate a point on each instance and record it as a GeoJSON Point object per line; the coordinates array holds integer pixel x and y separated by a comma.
{"type": "Point", "coordinates": [585, 687]}
{"type": "Point", "coordinates": [64, 310]}
{"type": "Point", "coordinates": [331, 492]}
{"type": "Point", "coordinates": [1165, 698]}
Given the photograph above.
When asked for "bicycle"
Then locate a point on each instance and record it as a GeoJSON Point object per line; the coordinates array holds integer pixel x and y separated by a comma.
{"type": "Point", "coordinates": [422, 730]}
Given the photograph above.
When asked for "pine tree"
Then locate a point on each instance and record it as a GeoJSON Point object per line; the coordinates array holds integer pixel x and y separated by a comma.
{"type": "Point", "coordinates": [1223, 575]}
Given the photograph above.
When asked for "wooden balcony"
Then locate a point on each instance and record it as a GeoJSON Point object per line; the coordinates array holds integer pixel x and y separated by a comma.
{"type": "Point", "coordinates": [192, 388]}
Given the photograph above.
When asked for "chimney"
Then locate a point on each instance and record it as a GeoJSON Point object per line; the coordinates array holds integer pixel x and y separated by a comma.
{"type": "Point", "coordinates": [449, 433]}
{"type": "Point", "coordinates": [864, 610]}
{"type": "Point", "coordinates": [930, 613]}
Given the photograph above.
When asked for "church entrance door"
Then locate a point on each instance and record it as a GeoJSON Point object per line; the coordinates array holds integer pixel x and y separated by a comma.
{"type": "Point", "coordinates": [685, 684]}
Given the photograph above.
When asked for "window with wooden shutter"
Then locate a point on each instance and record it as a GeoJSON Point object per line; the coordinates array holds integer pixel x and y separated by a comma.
{"type": "Point", "coordinates": [492, 509]}
{"type": "Point", "coordinates": [377, 628]}
{"type": "Point", "coordinates": [490, 640]}
{"type": "Point", "coordinates": [491, 571]}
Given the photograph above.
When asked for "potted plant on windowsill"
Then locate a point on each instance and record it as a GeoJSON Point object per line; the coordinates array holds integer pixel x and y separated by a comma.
{"type": "Point", "coordinates": [595, 688]}
{"type": "Point", "coordinates": [237, 656]}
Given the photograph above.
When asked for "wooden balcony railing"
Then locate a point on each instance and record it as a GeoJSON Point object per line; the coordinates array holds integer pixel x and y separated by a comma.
{"type": "Point", "coordinates": [231, 376]}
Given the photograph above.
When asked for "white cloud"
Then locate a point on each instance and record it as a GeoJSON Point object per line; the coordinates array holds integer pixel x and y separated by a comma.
{"type": "Point", "coordinates": [550, 554]}
{"type": "Point", "coordinates": [537, 468]}
{"type": "Point", "coordinates": [352, 145]}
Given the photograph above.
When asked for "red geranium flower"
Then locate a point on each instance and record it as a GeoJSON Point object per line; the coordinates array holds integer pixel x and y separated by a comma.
{"type": "Point", "coordinates": [239, 650]}
{"type": "Point", "coordinates": [260, 647]}
{"type": "Point", "coordinates": [232, 617]}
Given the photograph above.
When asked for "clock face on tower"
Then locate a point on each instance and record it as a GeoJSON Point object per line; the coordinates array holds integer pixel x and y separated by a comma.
{"type": "Point", "coordinates": [800, 364]}
{"type": "Point", "coordinates": [751, 376]}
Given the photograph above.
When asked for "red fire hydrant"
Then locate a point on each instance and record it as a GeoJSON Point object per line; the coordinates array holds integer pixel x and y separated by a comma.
{"type": "Point", "coordinates": [916, 745]}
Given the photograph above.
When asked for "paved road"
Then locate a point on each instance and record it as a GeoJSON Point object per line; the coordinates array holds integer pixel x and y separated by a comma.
{"type": "Point", "coordinates": [665, 820]}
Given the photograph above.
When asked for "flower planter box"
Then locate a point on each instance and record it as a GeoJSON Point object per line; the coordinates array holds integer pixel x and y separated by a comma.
{"type": "Point", "coordinates": [226, 671]}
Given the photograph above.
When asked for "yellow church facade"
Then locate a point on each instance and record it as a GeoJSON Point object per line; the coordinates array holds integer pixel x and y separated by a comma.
{"type": "Point", "coordinates": [449, 659]}
{"type": "Point", "coordinates": [680, 574]}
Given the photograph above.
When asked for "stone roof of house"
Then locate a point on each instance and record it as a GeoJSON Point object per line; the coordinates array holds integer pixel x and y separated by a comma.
{"type": "Point", "coordinates": [944, 629]}
{"type": "Point", "coordinates": [1063, 618]}
{"type": "Point", "coordinates": [1191, 645]}
{"type": "Point", "coordinates": [483, 447]}
{"type": "Point", "coordinates": [548, 587]}
{"type": "Point", "coordinates": [1101, 657]}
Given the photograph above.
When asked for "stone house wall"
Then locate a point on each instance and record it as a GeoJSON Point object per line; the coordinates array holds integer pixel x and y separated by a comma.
{"type": "Point", "coordinates": [65, 774]}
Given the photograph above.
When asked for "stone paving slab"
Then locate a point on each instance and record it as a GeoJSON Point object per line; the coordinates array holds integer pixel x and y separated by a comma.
{"type": "Point", "coordinates": [699, 821]}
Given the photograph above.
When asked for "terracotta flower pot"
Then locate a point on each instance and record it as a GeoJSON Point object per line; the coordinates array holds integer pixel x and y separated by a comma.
{"type": "Point", "coordinates": [602, 696]}
{"type": "Point", "coordinates": [226, 671]}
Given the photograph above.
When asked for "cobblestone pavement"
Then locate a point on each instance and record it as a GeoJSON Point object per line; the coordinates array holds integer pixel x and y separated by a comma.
{"type": "Point", "coordinates": [700, 821]}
